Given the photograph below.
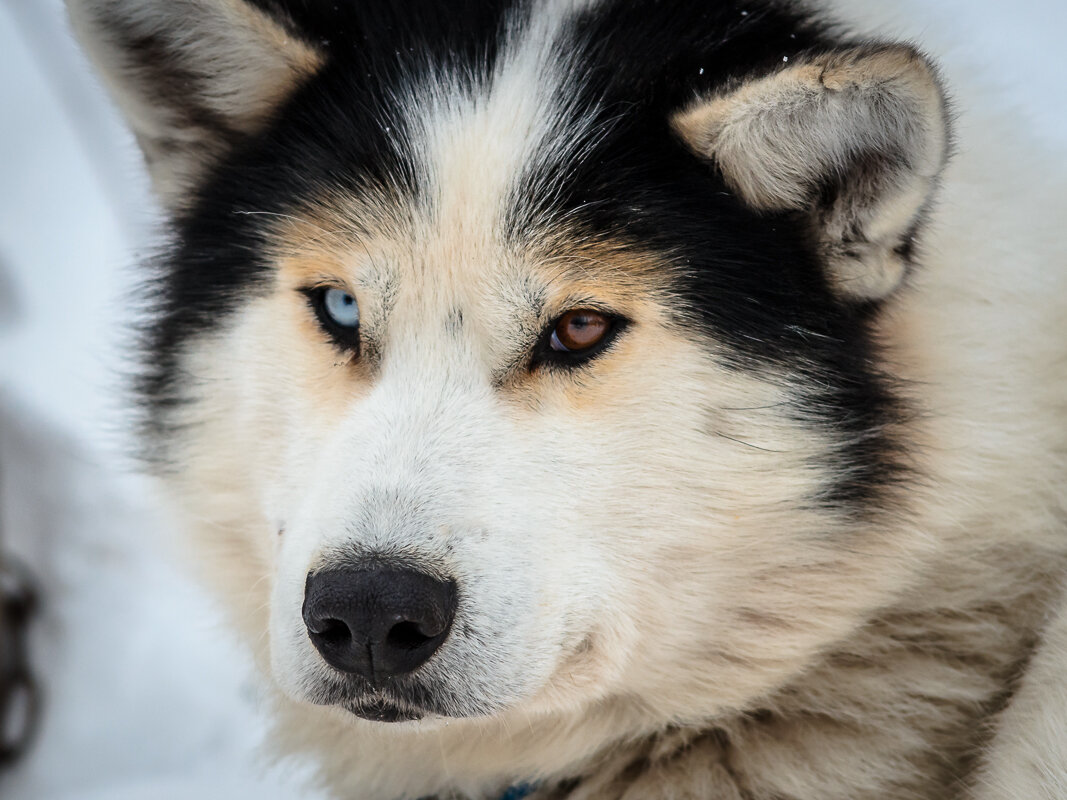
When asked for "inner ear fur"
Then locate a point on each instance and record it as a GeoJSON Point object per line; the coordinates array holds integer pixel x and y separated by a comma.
{"type": "Point", "coordinates": [191, 76]}
{"type": "Point", "coordinates": [855, 138]}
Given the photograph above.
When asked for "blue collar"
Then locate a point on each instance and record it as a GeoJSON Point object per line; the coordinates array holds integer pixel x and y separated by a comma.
{"type": "Point", "coordinates": [517, 792]}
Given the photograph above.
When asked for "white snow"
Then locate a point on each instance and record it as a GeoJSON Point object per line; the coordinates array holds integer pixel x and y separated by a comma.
{"type": "Point", "coordinates": [147, 696]}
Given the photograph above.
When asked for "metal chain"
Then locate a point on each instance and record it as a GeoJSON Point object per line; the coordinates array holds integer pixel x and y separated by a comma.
{"type": "Point", "coordinates": [20, 701]}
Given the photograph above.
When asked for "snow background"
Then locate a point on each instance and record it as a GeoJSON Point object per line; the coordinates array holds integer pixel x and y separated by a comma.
{"type": "Point", "coordinates": [147, 696]}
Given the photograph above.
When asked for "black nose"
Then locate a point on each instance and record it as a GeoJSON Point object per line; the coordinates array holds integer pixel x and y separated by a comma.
{"type": "Point", "coordinates": [378, 623]}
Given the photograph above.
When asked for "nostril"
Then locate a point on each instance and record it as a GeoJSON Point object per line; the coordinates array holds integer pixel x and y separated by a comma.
{"type": "Point", "coordinates": [407, 636]}
{"type": "Point", "coordinates": [333, 632]}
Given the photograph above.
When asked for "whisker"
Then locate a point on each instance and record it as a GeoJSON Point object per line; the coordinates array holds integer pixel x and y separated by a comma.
{"type": "Point", "coordinates": [749, 444]}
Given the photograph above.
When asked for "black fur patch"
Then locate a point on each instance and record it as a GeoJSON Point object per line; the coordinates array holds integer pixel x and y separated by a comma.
{"type": "Point", "coordinates": [751, 281]}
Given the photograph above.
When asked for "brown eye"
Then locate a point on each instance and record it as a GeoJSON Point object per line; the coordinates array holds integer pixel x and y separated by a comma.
{"type": "Point", "coordinates": [579, 330]}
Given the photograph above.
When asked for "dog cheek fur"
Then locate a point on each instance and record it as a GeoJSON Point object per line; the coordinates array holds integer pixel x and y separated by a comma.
{"type": "Point", "coordinates": [727, 581]}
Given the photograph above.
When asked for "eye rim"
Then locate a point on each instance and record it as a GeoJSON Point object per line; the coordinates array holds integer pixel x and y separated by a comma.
{"type": "Point", "coordinates": [345, 337]}
{"type": "Point", "coordinates": [545, 354]}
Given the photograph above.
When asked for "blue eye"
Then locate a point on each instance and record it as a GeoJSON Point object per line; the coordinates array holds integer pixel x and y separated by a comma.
{"type": "Point", "coordinates": [338, 315]}
{"type": "Point", "coordinates": [341, 307]}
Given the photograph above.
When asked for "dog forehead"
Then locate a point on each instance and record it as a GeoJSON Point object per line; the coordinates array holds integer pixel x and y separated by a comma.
{"type": "Point", "coordinates": [486, 152]}
{"type": "Point", "coordinates": [482, 150]}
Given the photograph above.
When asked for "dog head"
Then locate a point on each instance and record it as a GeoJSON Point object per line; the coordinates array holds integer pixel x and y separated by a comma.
{"type": "Point", "coordinates": [502, 363]}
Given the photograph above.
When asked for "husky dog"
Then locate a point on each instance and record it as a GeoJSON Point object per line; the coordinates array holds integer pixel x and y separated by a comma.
{"type": "Point", "coordinates": [599, 399]}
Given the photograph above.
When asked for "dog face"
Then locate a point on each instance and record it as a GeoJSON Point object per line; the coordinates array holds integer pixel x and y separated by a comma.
{"type": "Point", "coordinates": [501, 367]}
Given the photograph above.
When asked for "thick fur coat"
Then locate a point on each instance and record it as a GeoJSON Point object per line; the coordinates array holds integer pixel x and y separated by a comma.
{"type": "Point", "coordinates": [792, 525]}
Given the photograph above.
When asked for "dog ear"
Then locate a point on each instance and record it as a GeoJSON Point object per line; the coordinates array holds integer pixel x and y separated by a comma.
{"type": "Point", "coordinates": [855, 139]}
{"type": "Point", "coordinates": [191, 76]}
